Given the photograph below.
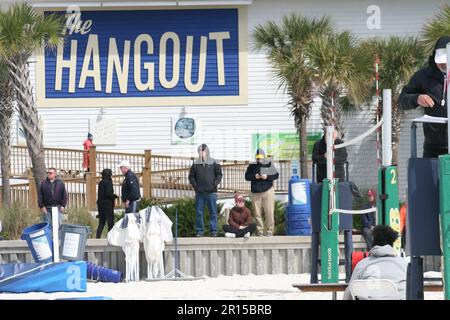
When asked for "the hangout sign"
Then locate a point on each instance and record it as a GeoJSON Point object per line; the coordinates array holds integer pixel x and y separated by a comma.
{"type": "Point", "coordinates": [147, 57]}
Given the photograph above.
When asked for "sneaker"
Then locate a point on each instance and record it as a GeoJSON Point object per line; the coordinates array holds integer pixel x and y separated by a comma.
{"type": "Point", "coordinates": [260, 234]}
{"type": "Point", "coordinates": [199, 234]}
{"type": "Point", "coordinates": [247, 235]}
{"type": "Point", "coordinates": [230, 235]}
{"type": "Point", "coordinates": [214, 234]}
{"type": "Point", "coordinates": [269, 234]}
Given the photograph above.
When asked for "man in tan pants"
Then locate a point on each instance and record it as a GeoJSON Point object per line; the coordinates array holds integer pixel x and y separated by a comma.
{"type": "Point", "coordinates": [261, 175]}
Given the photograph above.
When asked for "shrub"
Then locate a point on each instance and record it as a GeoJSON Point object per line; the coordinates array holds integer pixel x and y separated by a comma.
{"type": "Point", "coordinates": [186, 217]}
{"type": "Point", "coordinates": [15, 219]}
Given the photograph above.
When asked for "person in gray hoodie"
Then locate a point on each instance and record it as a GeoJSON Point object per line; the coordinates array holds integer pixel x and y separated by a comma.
{"type": "Point", "coordinates": [204, 176]}
{"type": "Point", "coordinates": [382, 262]}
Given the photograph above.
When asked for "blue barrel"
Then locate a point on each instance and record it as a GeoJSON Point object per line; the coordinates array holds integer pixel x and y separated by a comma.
{"type": "Point", "coordinates": [102, 274]}
{"type": "Point", "coordinates": [298, 220]}
{"type": "Point", "coordinates": [39, 240]}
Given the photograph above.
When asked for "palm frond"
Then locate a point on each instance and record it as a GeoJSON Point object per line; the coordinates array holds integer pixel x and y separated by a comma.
{"type": "Point", "coordinates": [436, 27]}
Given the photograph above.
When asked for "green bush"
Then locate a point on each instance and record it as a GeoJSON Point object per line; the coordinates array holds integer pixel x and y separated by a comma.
{"type": "Point", "coordinates": [17, 218]}
{"type": "Point", "coordinates": [186, 217]}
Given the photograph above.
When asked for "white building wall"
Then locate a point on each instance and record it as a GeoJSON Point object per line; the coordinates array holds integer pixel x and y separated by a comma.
{"type": "Point", "coordinates": [228, 129]}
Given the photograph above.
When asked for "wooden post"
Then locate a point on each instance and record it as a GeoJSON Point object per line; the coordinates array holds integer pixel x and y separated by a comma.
{"type": "Point", "coordinates": [147, 175]}
{"type": "Point", "coordinates": [32, 193]}
{"type": "Point", "coordinates": [91, 195]}
{"type": "Point", "coordinates": [93, 160]}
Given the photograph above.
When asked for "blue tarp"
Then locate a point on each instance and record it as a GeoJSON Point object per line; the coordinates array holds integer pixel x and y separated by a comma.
{"type": "Point", "coordinates": [45, 277]}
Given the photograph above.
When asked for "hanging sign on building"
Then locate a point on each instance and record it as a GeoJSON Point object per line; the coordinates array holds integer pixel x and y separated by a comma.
{"type": "Point", "coordinates": [147, 57]}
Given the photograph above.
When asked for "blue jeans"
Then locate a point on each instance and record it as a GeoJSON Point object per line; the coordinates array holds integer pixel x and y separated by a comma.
{"type": "Point", "coordinates": [211, 201]}
{"type": "Point", "coordinates": [48, 216]}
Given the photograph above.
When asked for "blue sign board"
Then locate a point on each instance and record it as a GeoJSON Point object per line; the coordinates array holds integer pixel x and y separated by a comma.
{"type": "Point", "coordinates": [147, 57]}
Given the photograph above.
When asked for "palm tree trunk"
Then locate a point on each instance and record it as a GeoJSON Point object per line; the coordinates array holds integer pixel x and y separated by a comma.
{"type": "Point", "coordinates": [29, 117]}
{"type": "Point", "coordinates": [6, 170]}
{"type": "Point", "coordinates": [5, 150]}
{"type": "Point", "coordinates": [6, 112]}
{"type": "Point", "coordinates": [304, 150]}
{"type": "Point", "coordinates": [331, 110]}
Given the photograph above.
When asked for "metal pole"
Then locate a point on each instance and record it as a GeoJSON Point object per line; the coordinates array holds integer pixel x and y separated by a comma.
{"type": "Point", "coordinates": [413, 140]}
{"type": "Point", "coordinates": [176, 242]}
{"type": "Point", "coordinates": [387, 128]}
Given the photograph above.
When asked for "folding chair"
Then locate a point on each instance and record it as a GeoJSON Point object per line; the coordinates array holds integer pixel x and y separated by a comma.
{"type": "Point", "coordinates": [374, 289]}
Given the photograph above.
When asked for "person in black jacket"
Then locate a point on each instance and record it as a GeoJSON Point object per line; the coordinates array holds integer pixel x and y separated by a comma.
{"type": "Point", "coordinates": [426, 89]}
{"type": "Point", "coordinates": [105, 202]}
{"type": "Point", "coordinates": [368, 220]}
{"type": "Point", "coordinates": [131, 192]}
{"type": "Point", "coordinates": [52, 193]}
{"type": "Point", "coordinates": [319, 158]}
{"type": "Point", "coordinates": [261, 175]}
{"type": "Point", "coordinates": [204, 176]}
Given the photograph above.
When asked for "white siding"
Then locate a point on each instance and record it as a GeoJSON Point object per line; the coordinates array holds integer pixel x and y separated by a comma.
{"type": "Point", "coordinates": [228, 129]}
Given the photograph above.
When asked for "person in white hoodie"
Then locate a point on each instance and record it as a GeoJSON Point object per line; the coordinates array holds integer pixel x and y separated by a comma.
{"type": "Point", "coordinates": [382, 262]}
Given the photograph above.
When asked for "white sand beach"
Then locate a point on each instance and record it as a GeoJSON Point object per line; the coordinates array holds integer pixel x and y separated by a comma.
{"type": "Point", "coordinates": [237, 287]}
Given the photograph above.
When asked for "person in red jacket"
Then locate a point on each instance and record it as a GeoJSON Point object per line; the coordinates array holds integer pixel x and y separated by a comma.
{"type": "Point", "coordinates": [87, 144]}
{"type": "Point", "coordinates": [239, 220]}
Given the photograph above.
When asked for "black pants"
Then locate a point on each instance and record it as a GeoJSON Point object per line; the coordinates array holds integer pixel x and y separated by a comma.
{"type": "Point", "coordinates": [240, 232]}
{"type": "Point", "coordinates": [367, 235]}
{"type": "Point", "coordinates": [105, 216]}
{"type": "Point", "coordinates": [433, 152]}
{"type": "Point", "coordinates": [403, 240]}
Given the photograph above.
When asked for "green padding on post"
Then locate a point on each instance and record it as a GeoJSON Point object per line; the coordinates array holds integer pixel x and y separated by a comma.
{"type": "Point", "coordinates": [444, 199]}
{"type": "Point", "coordinates": [329, 238]}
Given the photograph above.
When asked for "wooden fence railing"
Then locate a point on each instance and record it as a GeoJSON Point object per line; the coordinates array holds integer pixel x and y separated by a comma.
{"type": "Point", "coordinates": [161, 176]}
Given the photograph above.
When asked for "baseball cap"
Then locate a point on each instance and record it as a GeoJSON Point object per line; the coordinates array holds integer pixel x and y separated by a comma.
{"type": "Point", "coordinates": [260, 154]}
{"type": "Point", "coordinates": [371, 192]}
{"type": "Point", "coordinates": [124, 163]}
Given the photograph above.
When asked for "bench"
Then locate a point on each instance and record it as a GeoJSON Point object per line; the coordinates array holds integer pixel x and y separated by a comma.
{"type": "Point", "coordinates": [334, 288]}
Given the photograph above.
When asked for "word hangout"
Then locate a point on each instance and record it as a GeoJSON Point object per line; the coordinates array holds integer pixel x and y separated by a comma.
{"type": "Point", "coordinates": [121, 65]}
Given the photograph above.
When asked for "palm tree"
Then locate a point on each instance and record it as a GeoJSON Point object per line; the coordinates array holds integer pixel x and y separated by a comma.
{"type": "Point", "coordinates": [284, 47]}
{"type": "Point", "coordinates": [22, 32]}
{"type": "Point", "coordinates": [6, 113]}
{"type": "Point", "coordinates": [341, 70]}
{"type": "Point", "coordinates": [438, 27]}
{"type": "Point", "coordinates": [399, 59]}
